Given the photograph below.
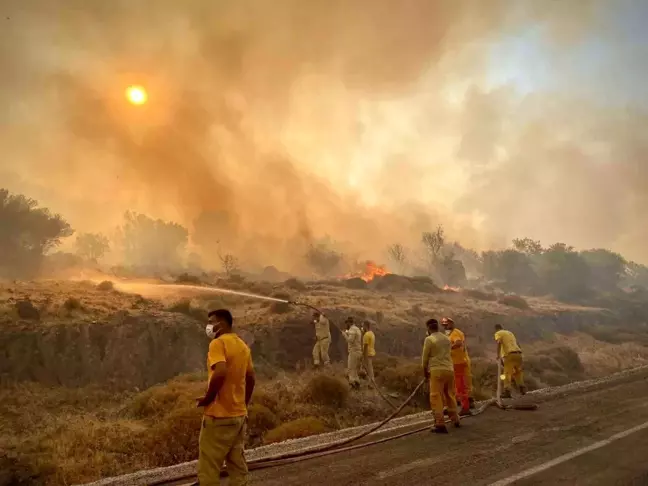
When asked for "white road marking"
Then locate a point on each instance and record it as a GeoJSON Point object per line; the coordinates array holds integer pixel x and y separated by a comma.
{"type": "Point", "coordinates": [569, 456]}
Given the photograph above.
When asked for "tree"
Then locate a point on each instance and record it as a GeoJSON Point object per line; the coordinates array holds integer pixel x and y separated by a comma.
{"type": "Point", "coordinates": [152, 243]}
{"type": "Point", "coordinates": [398, 255]}
{"type": "Point", "coordinates": [27, 233]}
{"type": "Point", "coordinates": [606, 267]}
{"type": "Point", "coordinates": [564, 272]}
{"type": "Point", "coordinates": [527, 246]}
{"type": "Point", "coordinates": [512, 268]}
{"type": "Point", "coordinates": [324, 260]}
{"type": "Point", "coordinates": [92, 246]}
{"type": "Point", "coordinates": [229, 262]}
{"type": "Point", "coordinates": [433, 244]}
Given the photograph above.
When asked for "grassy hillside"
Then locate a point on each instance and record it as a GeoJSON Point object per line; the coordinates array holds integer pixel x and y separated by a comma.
{"type": "Point", "coordinates": [99, 381]}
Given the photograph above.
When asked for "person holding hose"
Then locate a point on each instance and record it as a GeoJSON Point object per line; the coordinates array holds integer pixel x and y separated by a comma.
{"type": "Point", "coordinates": [353, 337]}
{"type": "Point", "coordinates": [460, 363]}
{"type": "Point", "coordinates": [369, 350]}
{"type": "Point", "coordinates": [438, 369]}
{"type": "Point", "coordinates": [322, 339]}
{"type": "Point", "coordinates": [509, 355]}
{"type": "Point", "coordinates": [229, 389]}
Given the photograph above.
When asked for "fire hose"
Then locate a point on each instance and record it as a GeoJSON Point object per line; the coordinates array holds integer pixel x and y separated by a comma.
{"type": "Point", "coordinates": [343, 445]}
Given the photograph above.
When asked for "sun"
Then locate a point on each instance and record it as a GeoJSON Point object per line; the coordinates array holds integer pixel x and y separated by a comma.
{"type": "Point", "coordinates": [136, 95]}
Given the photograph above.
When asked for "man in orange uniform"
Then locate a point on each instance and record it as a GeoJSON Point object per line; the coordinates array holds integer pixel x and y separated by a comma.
{"type": "Point", "coordinates": [229, 389]}
{"type": "Point", "coordinates": [437, 368]}
{"type": "Point", "coordinates": [460, 362]}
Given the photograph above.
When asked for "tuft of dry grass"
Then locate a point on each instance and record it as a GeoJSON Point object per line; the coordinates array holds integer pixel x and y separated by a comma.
{"type": "Point", "coordinates": [479, 295]}
{"type": "Point", "coordinates": [295, 429]}
{"type": "Point", "coordinates": [327, 390]}
{"type": "Point", "coordinates": [105, 286]}
{"type": "Point", "coordinates": [514, 301]}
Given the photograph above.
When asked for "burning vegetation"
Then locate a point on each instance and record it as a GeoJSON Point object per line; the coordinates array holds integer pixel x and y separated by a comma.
{"type": "Point", "coordinates": [367, 271]}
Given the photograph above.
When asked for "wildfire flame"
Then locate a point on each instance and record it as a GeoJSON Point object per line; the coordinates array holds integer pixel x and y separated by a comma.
{"type": "Point", "coordinates": [452, 289]}
{"type": "Point", "coordinates": [369, 272]}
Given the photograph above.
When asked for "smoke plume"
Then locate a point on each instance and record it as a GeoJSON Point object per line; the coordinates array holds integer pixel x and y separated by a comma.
{"type": "Point", "coordinates": [273, 123]}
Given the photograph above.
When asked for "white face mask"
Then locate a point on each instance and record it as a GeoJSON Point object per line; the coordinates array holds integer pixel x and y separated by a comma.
{"type": "Point", "coordinates": [210, 331]}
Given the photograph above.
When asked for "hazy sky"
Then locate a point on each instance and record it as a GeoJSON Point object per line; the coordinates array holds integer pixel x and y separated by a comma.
{"type": "Point", "coordinates": [272, 123]}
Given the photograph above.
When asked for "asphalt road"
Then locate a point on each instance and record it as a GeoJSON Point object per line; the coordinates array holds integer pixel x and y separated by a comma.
{"type": "Point", "coordinates": [597, 436]}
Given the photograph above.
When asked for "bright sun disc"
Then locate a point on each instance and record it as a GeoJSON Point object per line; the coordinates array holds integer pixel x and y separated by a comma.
{"type": "Point", "coordinates": [136, 95]}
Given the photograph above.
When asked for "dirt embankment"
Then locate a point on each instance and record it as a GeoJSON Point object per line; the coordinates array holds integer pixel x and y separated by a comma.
{"type": "Point", "coordinates": [81, 335]}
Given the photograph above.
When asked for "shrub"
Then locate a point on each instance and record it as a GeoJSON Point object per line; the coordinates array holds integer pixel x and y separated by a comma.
{"type": "Point", "coordinates": [261, 419]}
{"type": "Point", "coordinates": [26, 310]}
{"type": "Point", "coordinates": [479, 295]}
{"type": "Point", "coordinates": [72, 303]}
{"type": "Point", "coordinates": [513, 301]}
{"type": "Point", "coordinates": [404, 378]}
{"type": "Point", "coordinates": [265, 399]}
{"type": "Point", "coordinates": [184, 307]}
{"type": "Point", "coordinates": [174, 439]}
{"type": "Point", "coordinates": [105, 285]}
{"type": "Point", "coordinates": [327, 390]}
{"type": "Point", "coordinates": [185, 278]}
{"type": "Point", "coordinates": [280, 307]}
{"type": "Point", "coordinates": [295, 429]}
{"type": "Point", "coordinates": [355, 283]}
{"type": "Point", "coordinates": [294, 284]}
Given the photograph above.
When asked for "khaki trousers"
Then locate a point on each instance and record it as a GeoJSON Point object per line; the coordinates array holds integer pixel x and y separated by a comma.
{"type": "Point", "coordinates": [353, 366]}
{"type": "Point", "coordinates": [442, 393]}
{"type": "Point", "coordinates": [321, 351]}
{"type": "Point", "coordinates": [513, 370]}
{"type": "Point", "coordinates": [222, 439]}
{"type": "Point", "coordinates": [369, 368]}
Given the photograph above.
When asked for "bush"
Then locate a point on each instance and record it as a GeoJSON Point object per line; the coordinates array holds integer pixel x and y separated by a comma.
{"type": "Point", "coordinates": [72, 303]}
{"type": "Point", "coordinates": [261, 419]}
{"type": "Point", "coordinates": [185, 278]}
{"type": "Point", "coordinates": [355, 283]}
{"type": "Point", "coordinates": [280, 307]}
{"type": "Point", "coordinates": [514, 301]}
{"type": "Point", "coordinates": [479, 295]}
{"type": "Point", "coordinates": [295, 429]}
{"type": "Point", "coordinates": [26, 310]}
{"type": "Point", "coordinates": [175, 438]}
{"type": "Point", "coordinates": [261, 397]}
{"type": "Point", "coordinates": [404, 378]}
{"type": "Point", "coordinates": [105, 285]}
{"type": "Point", "coordinates": [184, 307]}
{"type": "Point", "coordinates": [294, 284]}
{"type": "Point", "coordinates": [327, 390]}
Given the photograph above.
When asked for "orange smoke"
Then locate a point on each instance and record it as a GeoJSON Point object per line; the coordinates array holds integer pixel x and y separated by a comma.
{"type": "Point", "coordinates": [369, 272]}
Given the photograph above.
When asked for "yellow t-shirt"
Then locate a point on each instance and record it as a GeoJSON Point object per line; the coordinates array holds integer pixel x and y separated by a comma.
{"type": "Point", "coordinates": [231, 350]}
{"type": "Point", "coordinates": [436, 353]}
{"type": "Point", "coordinates": [459, 355]}
{"type": "Point", "coordinates": [507, 341]}
{"type": "Point", "coordinates": [369, 340]}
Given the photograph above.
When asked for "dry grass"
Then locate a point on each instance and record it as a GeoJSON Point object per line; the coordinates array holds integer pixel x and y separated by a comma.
{"type": "Point", "coordinates": [514, 301]}
{"type": "Point", "coordinates": [295, 429]}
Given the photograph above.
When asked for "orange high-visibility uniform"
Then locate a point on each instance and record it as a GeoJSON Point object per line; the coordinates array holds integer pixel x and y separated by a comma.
{"type": "Point", "coordinates": [461, 364]}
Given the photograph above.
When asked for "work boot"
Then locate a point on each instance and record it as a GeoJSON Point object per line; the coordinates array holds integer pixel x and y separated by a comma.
{"type": "Point", "coordinates": [506, 394]}
{"type": "Point", "coordinates": [457, 424]}
{"type": "Point", "coordinates": [440, 429]}
{"type": "Point", "coordinates": [471, 401]}
{"type": "Point", "coordinates": [523, 390]}
{"type": "Point", "coordinates": [465, 412]}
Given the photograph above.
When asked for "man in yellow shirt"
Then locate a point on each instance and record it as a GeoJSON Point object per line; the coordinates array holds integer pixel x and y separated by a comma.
{"type": "Point", "coordinates": [437, 367]}
{"type": "Point", "coordinates": [509, 355]}
{"type": "Point", "coordinates": [369, 350]}
{"type": "Point", "coordinates": [229, 389]}
{"type": "Point", "coordinates": [322, 339]}
{"type": "Point", "coordinates": [460, 362]}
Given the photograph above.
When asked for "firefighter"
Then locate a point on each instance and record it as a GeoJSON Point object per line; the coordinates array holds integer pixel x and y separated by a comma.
{"type": "Point", "coordinates": [438, 369]}
{"type": "Point", "coordinates": [460, 362]}
{"type": "Point", "coordinates": [322, 339]}
{"type": "Point", "coordinates": [353, 337]}
{"type": "Point", "coordinates": [229, 389]}
{"type": "Point", "coordinates": [509, 355]}
{"type": "Point", "coordinates": [368, 350]}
